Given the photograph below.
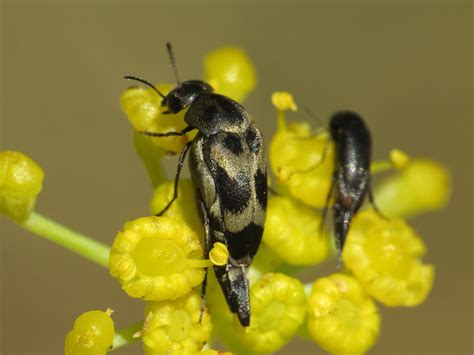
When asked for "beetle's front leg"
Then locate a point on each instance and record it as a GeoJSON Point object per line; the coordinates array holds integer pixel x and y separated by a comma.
{"type": "Point", "coordinates": [182, 156]}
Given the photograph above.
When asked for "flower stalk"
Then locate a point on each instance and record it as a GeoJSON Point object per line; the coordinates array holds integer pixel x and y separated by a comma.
{"type": "Point", "coordinates": [68, 238]}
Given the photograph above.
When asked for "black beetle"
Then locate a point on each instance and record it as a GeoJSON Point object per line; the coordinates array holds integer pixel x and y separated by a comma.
{"type": "Point", "coordinates": [228, 170]}
{"type": "Point", "coordinates": [351, 181]}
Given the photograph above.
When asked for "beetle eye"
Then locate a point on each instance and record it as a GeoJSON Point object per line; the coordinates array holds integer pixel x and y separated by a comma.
{"type": "Point", "coordinates": [174, 104]}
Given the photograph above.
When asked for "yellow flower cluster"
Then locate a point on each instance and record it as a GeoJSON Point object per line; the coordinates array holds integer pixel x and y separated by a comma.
{"type": "Point", "coordinates": [383, 255]}
{"type": "Point", "coordinates": [160, 259]}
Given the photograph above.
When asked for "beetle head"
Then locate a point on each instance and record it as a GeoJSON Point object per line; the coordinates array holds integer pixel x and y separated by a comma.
{"type": "Point", "coordinates": [344, 121]}
{"type": "Point", "coordinates": [184, 94]}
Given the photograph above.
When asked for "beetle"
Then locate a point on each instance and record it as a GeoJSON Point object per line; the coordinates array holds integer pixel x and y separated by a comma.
{"type": "Point", "coordinates": [351, 182]}
{"type": "Point", "coordinates": [228, 170]}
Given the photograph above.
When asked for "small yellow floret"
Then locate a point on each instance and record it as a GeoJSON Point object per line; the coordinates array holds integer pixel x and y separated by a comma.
{"type": "Point", "coordinates": [299, 163]}
{"type": "Point", "coordinates": [219, 254]}
{"type": "Point", "coordinates": [174, 327]}
{"type": "Point", "coordinates": [423, 185]}
{"type": "Point", "coordinates": [154, 258]}
{"type": "Point", "coordinates": [342, 319]}
{"type": "Point", "coordinates": [184, 207]}
{"type": "Point", "coordinates": [385, 256]}
{"type": "Point", "coordinates": [230, 72]}
{"type": "Point", "coordinates": [21, 181]}
{"type": "Point", "coordinates": [277, 306]}
{"type": "Point", "coordinates": [93, 334]}
{"type": "Point", "coordinates": [213, 352]}
{"type": "Point", "coordinates": [292, 231]}
{"type": "Point", "coordinates": [399, 159]}
{"type": "Point", "coordinates": [144, 111]}
{"type": "Point", "coordinates": [283, 101]}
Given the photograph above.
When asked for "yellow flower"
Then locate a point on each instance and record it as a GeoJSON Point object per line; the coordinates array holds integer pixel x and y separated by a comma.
{"type": "Point", "coordinates": [385, 255]}
{"type": "Point", "coordinates": [21, 181]}
{"type": "Point", "coordinates": [144, 111]}
{"type": "Point", "coordinates": [277, 305]}
{"type": "Point", "coordinates": [292, 231]}
{"type": "Point", "coordinates": [342, 319]}
{"type": "Point", "coordinates": [157, 258]}
{"type": "Point", "coordinates": [283, 101]}
{"type": "Point", "coordinates": [302, 161]}
{"type": "Point", "coordinates": [219, 255]}
{"type": "Point", "coordinates": [174, 327]}
{"type": "Point", "coordinates": [230, 72]}
{"type": "Point", "coordinates": [184, 207]}
{"type": "Point", "coordinates": [93, 334]}
{"type": "Point", "coordinates": [213, 352]}
{"type": "Point", "coordinates": [423, 185]}
{"type": "Point", "coordinates": [399, 159]}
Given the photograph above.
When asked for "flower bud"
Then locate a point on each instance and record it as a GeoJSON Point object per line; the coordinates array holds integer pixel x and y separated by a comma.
{"type": "Point", "coordinates": [230, 72]}
{"type": "Point", "coordinates": [93, 334]}
{"type": "Point", "coordinates": [277, 304]}
{"type": "Point", "coordinates": [21, 181]}
{"type": "Point", "coordinates": [219, 255]}
{"type": "Point", "coordinates": [213, 352]}
{"type": "Point", "coordinates": [293, 232]}
{"type": "Point", "coordinates": [175, 327]}
{"type": "Point", "coordinates": [144, 111]}
{"type": "Point", "coordinates": [385, 256]}
{"type": "Point", "coordinates": [342, 319]}
{"type": "Point", "coordinates": [302, 162]}
{"type": "Point", "coordinates": [423, 185]}
{"type": "Point", "coordinates": [283, 101]}
{"type": "Point", "coordinates": [184, 207]}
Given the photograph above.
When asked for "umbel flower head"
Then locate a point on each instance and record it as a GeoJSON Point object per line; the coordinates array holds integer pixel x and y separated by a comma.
{"type": "Point", "coordinates": [161, 259]}
{"type": "Point", "coordinates": [341, 315]}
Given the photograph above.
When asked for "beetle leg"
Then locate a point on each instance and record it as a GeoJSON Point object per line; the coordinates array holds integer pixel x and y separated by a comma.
{"type": "Point", "coordinates": [176, 178]}
{"type": "Point", "coordinates": [167, 134]}
{"type": "Point", "coordinates": [326, 205]}
{"type": "Point", "coordinates": [374, 206]}
{"type": "Point", "coordinates": [207, 247]}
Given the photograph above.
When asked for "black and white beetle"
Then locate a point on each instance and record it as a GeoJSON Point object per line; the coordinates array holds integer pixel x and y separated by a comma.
{"type": "Point", "coordinates": [228, 170]}
{"type": "Point", "coordinates": [351, 180]}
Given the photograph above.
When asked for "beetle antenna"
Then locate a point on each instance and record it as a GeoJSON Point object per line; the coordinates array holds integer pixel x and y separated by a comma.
{"type": "Point", "coordinates": [129, 77]}
{"type": "Point", "coordinates": [313, 115]}
{"type": "Point", "coordinates": [173, 61]}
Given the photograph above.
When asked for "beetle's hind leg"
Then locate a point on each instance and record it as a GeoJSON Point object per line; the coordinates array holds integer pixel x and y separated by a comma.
{"type": "Point", "coordinates": [167, 134]}
{"type": "Point", "coordinates": [182, 156]}
{"type": "Point", "coordinates": [374, 206]}
{"type": "Point", "coordinates": [326, 205]}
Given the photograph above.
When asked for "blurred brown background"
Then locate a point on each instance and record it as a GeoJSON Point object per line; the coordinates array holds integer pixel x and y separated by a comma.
{"type": "Point", "coordinates": [406, 67]}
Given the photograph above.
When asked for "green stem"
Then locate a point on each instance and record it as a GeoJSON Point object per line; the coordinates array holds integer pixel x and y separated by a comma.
{"type": "Point", "coordinates": [125, 336]}
{"type": "Point", "coordinates": [72, 240]}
